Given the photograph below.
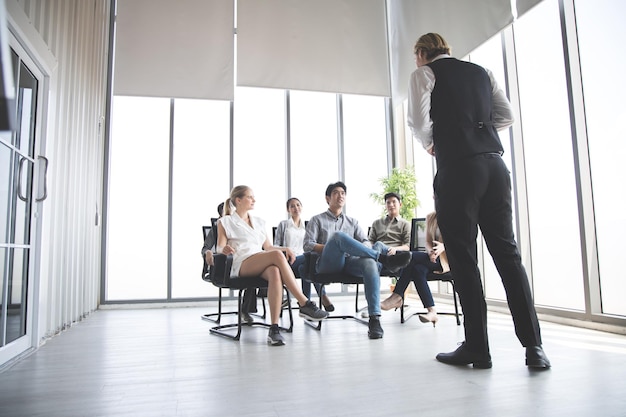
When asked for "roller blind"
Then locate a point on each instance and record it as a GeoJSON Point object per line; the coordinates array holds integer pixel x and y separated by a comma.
{"type": "Point", "coordinates": [181, 49]}
{"type": "Point", "coordinates": [322, 45]}
{"type": "Point", "coordinates": [525, 5]}
{"type": "Point", "coordinates": [464, 24]}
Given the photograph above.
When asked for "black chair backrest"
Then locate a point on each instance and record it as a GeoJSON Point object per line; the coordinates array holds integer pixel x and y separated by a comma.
{"type": "Point", "coordinates": [418, 234]}
{"type": "Point", "coordinates": [205, 231]}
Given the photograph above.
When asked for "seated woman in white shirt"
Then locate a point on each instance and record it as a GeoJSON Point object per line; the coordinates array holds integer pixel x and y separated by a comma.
{"type": "Point", "coordinates": [243, 236]}
{"type": "Point", "coordinates": [290, 233]}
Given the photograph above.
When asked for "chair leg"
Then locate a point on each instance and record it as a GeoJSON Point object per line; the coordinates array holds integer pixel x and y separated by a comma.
{"type": "Point", "coordinates": [209, 316]}
{"type": "Point", "coordinates": [456, 306]}
{"type": "Point", "coordinates": [221, 329]}
{"type": "Point", "coordinates": [317, 325]}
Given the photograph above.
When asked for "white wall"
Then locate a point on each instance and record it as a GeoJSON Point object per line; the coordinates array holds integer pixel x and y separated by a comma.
{"type": "Point", "coordinates": [73, 36]}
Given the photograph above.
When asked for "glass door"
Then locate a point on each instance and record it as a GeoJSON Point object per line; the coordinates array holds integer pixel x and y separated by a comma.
{"type": "Point", "coordinates": [17, 167]}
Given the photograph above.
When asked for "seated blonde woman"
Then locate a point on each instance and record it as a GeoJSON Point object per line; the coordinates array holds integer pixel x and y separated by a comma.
{"type": "Point", "coordinates": [243, 236]}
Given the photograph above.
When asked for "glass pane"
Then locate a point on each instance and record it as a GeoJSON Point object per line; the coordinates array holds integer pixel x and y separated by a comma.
{"type": "Point", "coordinates": [314, 149]}
{"type": "Point", "coordinates": [27, 105]}
{"type": "Point", "coordinates": [260, 150]}
{"type": "Point", "coordinates": [138, 199]}
{"type": "Point", "coordinates": [6, 191]}
{"type": "Point", "coordinates": [200, 183]}
{"type": "Point", "coordinates": [17, 287]}
{"type": "Point", "coordinates": [365, 147]}
{"type": "Point", "coordinates": [605, 111]}
{"type": "Point", "coordinates": [552, 201]}
{"type": "Point", "coordinates": [22, 208]}
{"type": "Point", "coordinates": [3, 278]}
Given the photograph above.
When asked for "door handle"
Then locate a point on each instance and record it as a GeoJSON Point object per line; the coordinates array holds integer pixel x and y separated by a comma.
{"type": "Point", "coordinates": [45, 179]}
{"type": "Point", "coordinates": [19, 180]}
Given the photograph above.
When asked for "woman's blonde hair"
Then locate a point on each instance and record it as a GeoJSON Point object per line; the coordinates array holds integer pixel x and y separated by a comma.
{"type": "Point", "coordinates": [237, 192]}
{"type": "Point", "coordinates": [433, 44]}
{"type": "Point", "coordinates": [432, 228]}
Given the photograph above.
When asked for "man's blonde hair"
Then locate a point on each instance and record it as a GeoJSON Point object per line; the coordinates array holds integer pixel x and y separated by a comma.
{"type": "Point", "coordinates": [433, 44]}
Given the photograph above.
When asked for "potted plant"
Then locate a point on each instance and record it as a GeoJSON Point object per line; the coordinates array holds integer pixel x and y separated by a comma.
{"type": "Point", "coordinates": [400, 181]}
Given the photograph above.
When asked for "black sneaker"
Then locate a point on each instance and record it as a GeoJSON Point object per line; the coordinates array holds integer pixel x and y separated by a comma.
{"type": "Point", "coordinates": [375, 331]}
{"type": "Point", "coordinates": [274, 337]}
{"type": "Point", "coordinates": [396, 262]}
{"type": "Point", "coordinates": [311, 312]}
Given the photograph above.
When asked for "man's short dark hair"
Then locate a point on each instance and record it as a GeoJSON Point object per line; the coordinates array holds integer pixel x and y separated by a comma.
{"type": "Point", "coordinates": [389, 195]}
{"type": "Point", "coordinates": [220, 209]}
{"type": "Point", "coordinates": [331, 187]}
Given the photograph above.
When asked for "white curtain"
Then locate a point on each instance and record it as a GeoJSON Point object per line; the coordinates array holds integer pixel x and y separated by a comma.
{"type": "Point", "coordinates": [464, 24]}
{"type": "Point", "coordinates": [181, 49]}
{"type": "Point", "coordinates": [322, 45]}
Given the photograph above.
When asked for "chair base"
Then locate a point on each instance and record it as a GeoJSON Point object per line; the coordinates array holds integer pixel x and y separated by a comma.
{"type": "Point", "coordinates": [317, 325]}
{"type": "Point", "coordinates": [224, 330]}
{"type": "Point", "coordinates": [220, 330]}
{"type": "Point", "coordinates": [220, 313]}
{"type": "Point", "coordinates": [404, 317]}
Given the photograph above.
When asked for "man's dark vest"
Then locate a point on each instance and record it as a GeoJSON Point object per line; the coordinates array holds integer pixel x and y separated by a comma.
{"type": "Point", "coordinates": [461, 111]}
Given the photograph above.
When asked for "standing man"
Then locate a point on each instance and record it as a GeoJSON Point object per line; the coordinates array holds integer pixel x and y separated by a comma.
{"type": "Point", "coordinates": [455, 110]}
{"type": "Point", "coordinates": [343, 246]}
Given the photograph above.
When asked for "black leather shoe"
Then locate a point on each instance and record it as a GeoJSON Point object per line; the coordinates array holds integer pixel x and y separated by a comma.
{"type": "Point", "coordinates": [462, 356]}
{"type": "Point", "coordinates": [375, 331]}
{"type": "Point", "coordinates": [536, 358]}
{"type": "Point", "coordinates": [395, 263]}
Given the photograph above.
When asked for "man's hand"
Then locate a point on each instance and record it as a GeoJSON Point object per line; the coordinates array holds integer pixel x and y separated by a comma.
{"type": "Point", "coordinates": [208, 257]}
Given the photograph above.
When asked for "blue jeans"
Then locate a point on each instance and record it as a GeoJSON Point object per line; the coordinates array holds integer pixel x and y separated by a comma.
{"type": "Point", "coordinates": [306, 284]}
{"type": "Point", "coordinates": [417, 271]}
{"type": "Point", "coordinates": [361, 261]}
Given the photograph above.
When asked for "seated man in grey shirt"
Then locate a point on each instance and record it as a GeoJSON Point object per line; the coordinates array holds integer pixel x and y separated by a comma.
{"type": "Point", "coordinates": [344, 247]}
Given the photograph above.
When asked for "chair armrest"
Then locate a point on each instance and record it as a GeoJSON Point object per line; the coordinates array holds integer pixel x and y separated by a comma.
{"type": "Point", "coordinates": [219, 272]}
{"type": "Point", "coordinates": [310, 261]}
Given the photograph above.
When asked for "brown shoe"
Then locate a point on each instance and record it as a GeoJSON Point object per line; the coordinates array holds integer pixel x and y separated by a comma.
{"type": "Point", "coordinates": [393, 301]}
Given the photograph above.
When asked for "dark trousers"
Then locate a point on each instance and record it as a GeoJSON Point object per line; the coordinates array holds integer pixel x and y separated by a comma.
{"type": "Point", "coordinates": [477, 192]}
{"type": "Point", "coordinates": [417, 271]}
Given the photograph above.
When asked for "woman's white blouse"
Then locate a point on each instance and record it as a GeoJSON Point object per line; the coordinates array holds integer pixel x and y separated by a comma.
{"type": "Point", "coordinates": [245, 240]}
{"type": "Point", "coordinates": [294, 236]}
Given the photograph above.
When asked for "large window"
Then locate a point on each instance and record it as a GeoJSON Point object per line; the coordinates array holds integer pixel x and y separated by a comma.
{"type": "Point", "coordinates": [489, 55]}
{"type": "Point", "coordinates": [137, 249]}
{"type": "Point", "coordinates": [259, 150]}
{"type": "Point", "coordinates": [365, 147]}
{"type": "Point", "coordinates": [200, 181]}
{"type": "Point", "coordinates": [601, 33]}
{"type": "Point", "coordinates": [547, 137]}
{"type": "Point", "coordinates": [314, 149]}
{"type": "Point", "coordinates": [151, 221]}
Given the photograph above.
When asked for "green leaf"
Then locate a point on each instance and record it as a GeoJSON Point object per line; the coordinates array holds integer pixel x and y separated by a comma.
{"type": "Point", "coordinates": [401, 181]}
